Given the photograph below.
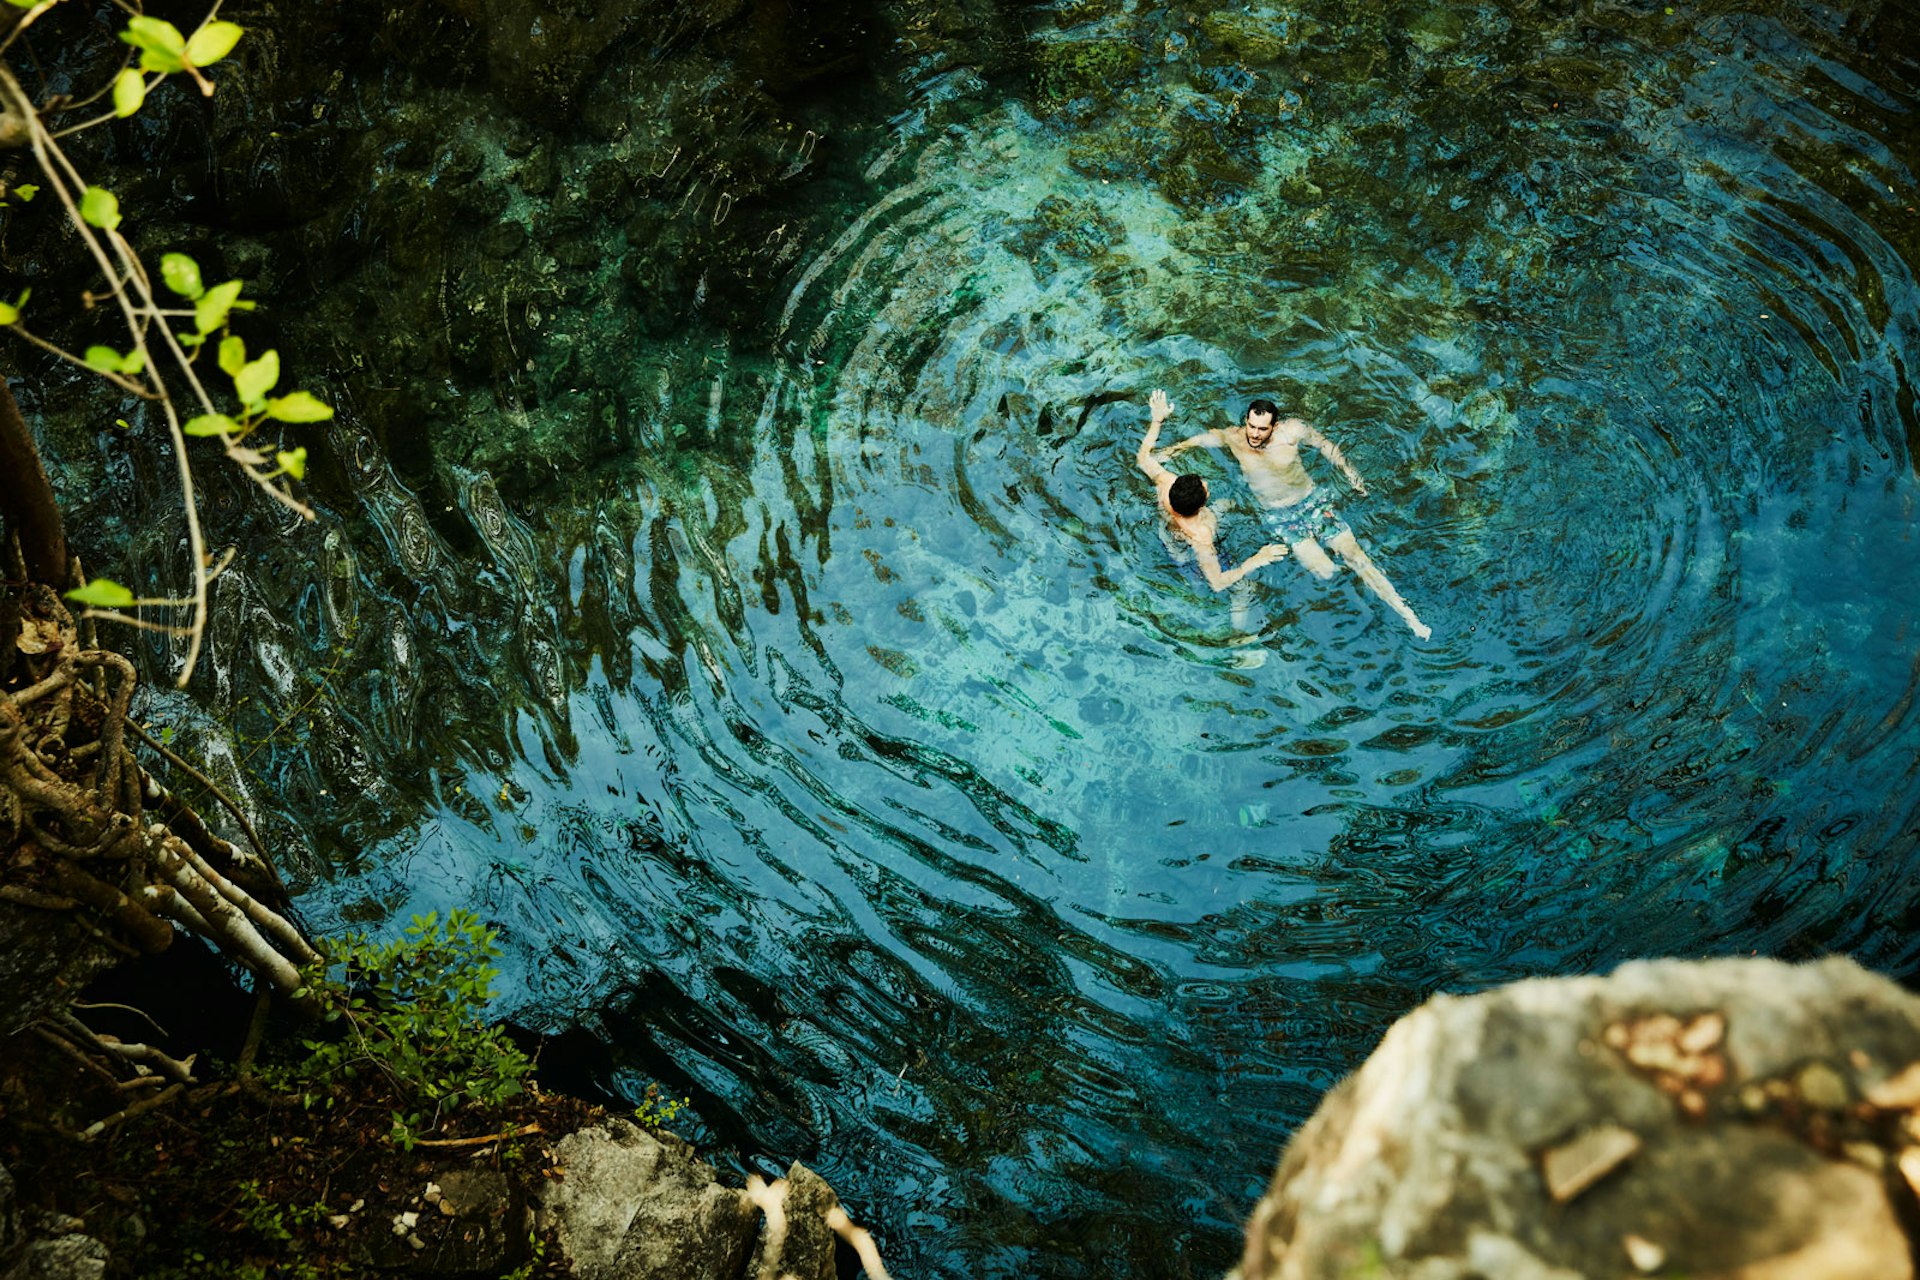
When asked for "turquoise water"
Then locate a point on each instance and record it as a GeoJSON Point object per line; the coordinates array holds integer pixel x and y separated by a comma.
{"type": "Point", "coordinates": [874, 778]}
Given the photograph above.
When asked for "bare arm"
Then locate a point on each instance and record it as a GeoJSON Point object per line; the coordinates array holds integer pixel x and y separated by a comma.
{"type": "Point", "coordinates": [1205, 440]}
{"type": "Point", "coordinates": [1331, 452]}
{"type": "Point", "coordinates": [1144, 459]}
{"type": "Point", "coordinates": [1220, 579]}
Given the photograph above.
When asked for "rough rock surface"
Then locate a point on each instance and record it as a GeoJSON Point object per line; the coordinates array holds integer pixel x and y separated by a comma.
{"type": "Point", "coordinates": [61, 1257]}
{"type": "Point", "coordinates": [46, 958]}
{"type": "Point", "coordinates": [1726, 1118]}
{"type": "Point", "coordinates": [804, 1247]}
{"type": "Point", "coordinates": [631, 1206]}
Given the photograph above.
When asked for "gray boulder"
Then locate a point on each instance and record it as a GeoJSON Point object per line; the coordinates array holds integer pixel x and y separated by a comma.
{"type": "Point", "coordinates": [630, 1206]}
{"type": "Point", "coordinates": [67, 1257]}
{"type": "Point", "coordinates": [1720, 1119]}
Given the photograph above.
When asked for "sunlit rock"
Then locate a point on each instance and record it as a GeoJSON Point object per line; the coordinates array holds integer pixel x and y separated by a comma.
{"type": "Point", "coordinates": [1695, 1116]}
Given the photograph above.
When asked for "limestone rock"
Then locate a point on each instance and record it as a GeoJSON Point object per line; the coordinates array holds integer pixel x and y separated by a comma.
{"type": "Point", "coordinates": [804, 1250]}
{"type": "Point", "coordinates": [1689, 1118]}
{"type": "Point", "coordinates": [630, 1206]}
{"type": "Point", "coordinates": [71, 1257]}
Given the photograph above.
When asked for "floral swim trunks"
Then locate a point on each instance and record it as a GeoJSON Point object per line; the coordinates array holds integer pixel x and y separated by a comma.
{"type": "Point", "coordinates": [1314, 517]}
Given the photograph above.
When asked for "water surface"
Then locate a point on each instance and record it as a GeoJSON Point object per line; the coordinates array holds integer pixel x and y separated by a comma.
{"type": "Point", "coordinates": [877, 781]}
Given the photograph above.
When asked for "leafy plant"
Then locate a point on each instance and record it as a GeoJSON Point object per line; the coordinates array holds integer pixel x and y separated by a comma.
{"type": "Point", "coordinates": [656, 1110]}
{"type": "Point", "coordinates": [413, 1010]}
{"type": "Point", "coordinates": [165, 341]}
{"type": "Point", "coordinates": [536, 1259]}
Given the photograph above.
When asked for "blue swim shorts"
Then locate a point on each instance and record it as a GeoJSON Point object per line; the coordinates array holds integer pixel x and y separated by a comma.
{"type": "Point", "coordinates": [1314, 516]}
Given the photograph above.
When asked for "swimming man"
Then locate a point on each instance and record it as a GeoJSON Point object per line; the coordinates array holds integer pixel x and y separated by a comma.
{"type": "Point", "coordinates": [1298, 511]}
{"type": "Point", "coordinates": [1183, 501]}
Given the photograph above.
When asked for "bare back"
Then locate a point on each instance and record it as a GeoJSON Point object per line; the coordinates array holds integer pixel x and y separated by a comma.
{"type": "Point", "coordinates": [1197, 530]}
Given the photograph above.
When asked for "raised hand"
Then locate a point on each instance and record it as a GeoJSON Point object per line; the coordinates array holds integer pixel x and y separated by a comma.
{"type": "Point", "coordinates": [1160, 406]}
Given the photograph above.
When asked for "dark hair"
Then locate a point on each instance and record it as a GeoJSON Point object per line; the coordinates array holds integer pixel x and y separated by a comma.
{"type": "Point", "coordinates": [1267, 407]}
{"type": "Point", "coordinates": [1187, 495]}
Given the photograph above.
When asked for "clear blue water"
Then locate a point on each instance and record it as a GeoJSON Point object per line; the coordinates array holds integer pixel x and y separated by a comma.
{"type": "Point", "coordinates": [880, 784]}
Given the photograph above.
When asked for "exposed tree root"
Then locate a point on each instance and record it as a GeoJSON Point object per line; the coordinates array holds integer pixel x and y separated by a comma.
{"type": "Point", "coordinates": [89, 831]}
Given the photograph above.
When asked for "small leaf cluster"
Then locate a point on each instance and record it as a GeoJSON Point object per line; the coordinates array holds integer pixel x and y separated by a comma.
{"type": "Point", "coordinates": [252, 378]}
{"type": "Point", "coordinates": [413, 1011]}
{"type": "Point", "coordinates": [165, 51]}
{"type": "Point", "coordinates": [656, 1110]}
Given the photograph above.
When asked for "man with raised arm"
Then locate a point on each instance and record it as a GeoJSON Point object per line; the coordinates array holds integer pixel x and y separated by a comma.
{"type": "Point", "coordinates": [1298, 511]}
{"type": "Point", "coordinates": [1190, 524]}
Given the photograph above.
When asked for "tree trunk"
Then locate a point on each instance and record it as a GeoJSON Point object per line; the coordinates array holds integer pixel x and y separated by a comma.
{"type": "Point", "coordinates": [26, 499]}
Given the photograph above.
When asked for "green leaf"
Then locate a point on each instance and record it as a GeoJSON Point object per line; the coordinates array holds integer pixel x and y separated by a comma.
{"type": "Point", "coordinates": [102, 593]}
{"type": "Point", "coordinates": [293, 462]}
{"type": "Point", "coordinates": [213, 42]}
{"type": "Point", "coordinates": [161, 46]}
{"type": "Point", "coordinates": [233, 354]}
{"type": "Point", "coordinates": [129, 91]}
{"type": "Point", "coordinates": [26, 191]}
{"type": "Point", "coordinates": [256, 378]}
{"type": "Point", "coordinates": [9, 314]}
{"type": "Point", "coordinates": [211, 308]}
{"type": "Point", "coordinates": [100, 207]}
{"type": "Point", "coordinates": [211, 424]}
{"type": "Point", "coordinates": [182, 275]}
{"type": "Point", "coordinates": [298, 406]}
{"type": "Point", "coordinates": [107, 360]}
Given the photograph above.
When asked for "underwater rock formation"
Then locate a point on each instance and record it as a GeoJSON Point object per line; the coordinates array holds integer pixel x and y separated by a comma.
{"type": "Point", "coordinates": [1717, 1118]}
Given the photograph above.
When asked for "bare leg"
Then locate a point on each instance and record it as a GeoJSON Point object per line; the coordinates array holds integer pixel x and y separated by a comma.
{"type": "Point", "coordinates": [1309, 553]}
{"type": "Point", "coordinates": [1240, 601]}
{"type": "Point", "coordinates": [1357, 560]}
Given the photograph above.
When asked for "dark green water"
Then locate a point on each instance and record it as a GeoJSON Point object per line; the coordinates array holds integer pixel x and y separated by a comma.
{"type": "Point", "coordinates": [821, 720]}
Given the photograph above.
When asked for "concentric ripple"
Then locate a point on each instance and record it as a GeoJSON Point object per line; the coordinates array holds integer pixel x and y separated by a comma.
{"type": "Point", "coordinates": [883, 785]}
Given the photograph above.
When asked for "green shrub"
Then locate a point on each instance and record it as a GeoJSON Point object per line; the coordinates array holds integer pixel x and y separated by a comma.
{"type": "Point", "coordinates": [413, 1011]}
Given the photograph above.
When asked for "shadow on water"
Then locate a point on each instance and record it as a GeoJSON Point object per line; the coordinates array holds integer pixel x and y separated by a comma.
{"type": "Point", "coordinates": [830, 737]}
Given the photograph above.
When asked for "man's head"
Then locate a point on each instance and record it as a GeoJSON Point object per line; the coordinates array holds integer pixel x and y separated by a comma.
{"type": "Point", "coordinates": [1262, 416]}
{"type": "Point", "coordinates": [1187, 495]}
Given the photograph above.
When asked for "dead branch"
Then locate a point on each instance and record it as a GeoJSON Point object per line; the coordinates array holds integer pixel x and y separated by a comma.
{"type": "Point", "coordinates": [519, 1131]}
{"type": "Point", "coordinates": [160, 1099]}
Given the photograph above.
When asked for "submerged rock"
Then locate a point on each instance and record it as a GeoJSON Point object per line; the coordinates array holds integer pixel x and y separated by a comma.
{"type": "Point", "coordinates": [1719, 1118]}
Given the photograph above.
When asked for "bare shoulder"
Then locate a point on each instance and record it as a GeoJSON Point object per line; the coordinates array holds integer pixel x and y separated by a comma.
{"type": "Point", "coordinates": [1295, 429]}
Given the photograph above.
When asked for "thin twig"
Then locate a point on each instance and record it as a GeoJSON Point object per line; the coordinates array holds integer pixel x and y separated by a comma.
{"type": "Point", "coordinates": [52, 162]}
{"type": "Point", "coordinates": [159, 1030]}
{"type": "Point", "coordinates": [160, 1099]}
{"type": "Point", "coordinates": [253, 837]}
{"type": "Point", "coordinates": [520, 1131]}
{"type": "Point", "coordinates": [127, 619]}
{"type": "Point", "coordinates": [61, 1043]}
{"type": "Point", "coordinates": [118, 380]}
